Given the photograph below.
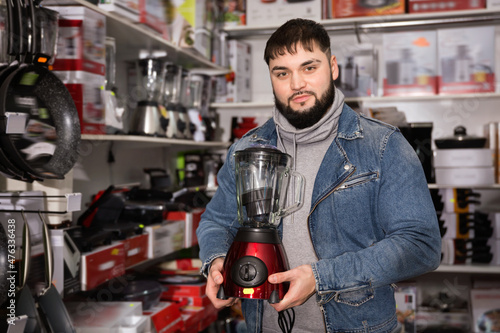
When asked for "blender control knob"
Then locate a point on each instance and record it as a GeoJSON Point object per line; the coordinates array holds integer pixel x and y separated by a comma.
{"type": "Point", "coordinates": [249, 272]}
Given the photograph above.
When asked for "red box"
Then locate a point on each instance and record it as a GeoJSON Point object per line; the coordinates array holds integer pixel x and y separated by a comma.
{"type": "Point", "coordinates": [192, 220]}
{"type": "Point", "coordinates": [191, 316]}
{"type": "Point", "coordinates": [102, 265]}
{"type": "Point", "coordinates": [136, 249]}
{"type": "Point", "coordinates": [189, 290]}
{"type": "Point", "coordinates": [165, 316]}
{"type": "Point", "coordinates": [351, 8]}
{"type": "Point", "coordinates": [429, 6]}
{"type": "Point", "coordinates": [151, 13]}
{"type": "Point", "coordinates": [211, 315]}
{"type": "Point", "coordinates": [193, 301]}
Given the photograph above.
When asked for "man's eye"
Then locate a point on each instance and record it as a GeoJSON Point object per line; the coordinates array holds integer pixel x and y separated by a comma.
{"type": "Point", "coordinates": [282, 74]}
{"type": "Point", "coordinates": [310, 68]}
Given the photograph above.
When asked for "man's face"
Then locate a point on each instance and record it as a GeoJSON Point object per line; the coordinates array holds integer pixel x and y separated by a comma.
{"type": "Point", "coordinates": [303, 85]}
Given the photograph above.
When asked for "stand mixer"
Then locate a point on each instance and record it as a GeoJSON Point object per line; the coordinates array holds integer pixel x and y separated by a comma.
{"type": "Point", "coordinates": [263, 176]}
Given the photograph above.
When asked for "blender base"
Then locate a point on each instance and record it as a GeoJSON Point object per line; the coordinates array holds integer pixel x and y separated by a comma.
{"type": "Point", "coordinates": [255, 254]}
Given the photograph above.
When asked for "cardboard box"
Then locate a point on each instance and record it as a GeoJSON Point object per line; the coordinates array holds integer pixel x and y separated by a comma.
{"type": "Point", "coordinates": [485, 305]}
{"type": "Point", "coordinates": [406, 307]}
{"type": "Point", "coordinates": [358, 70]}
{"type": "Point", "coordinates": [152, 15]}
{"type": "Point", "coordinates": [136, 249]}
{"type": "Point", "coordinates": [192, 221]}
{"type": "Point", "coordinates": [85, 89]}
{"type": "Point", "coordinates": [473, 176]}
{"type": "Point", "coordinates": [81, 40]}
{"type": "Point", "coordinates": [236, 87]}
{"type": "Point", "coordinates": [165, 238]}
{"type": "Point", "coordinates": [165, 317]}
{"type": "Point", "coordinates": [351, 8]}
{"type": "Point", "coordinates": [410, 63]}
{"type": "Point", "coordinates": [102, 264]}
{"type": "Point", "coordinates": [463, 158]}
{"type": "Point", "coordinates": [67, 262]}
{"type": "Point", "coordinates": [188, 290]}
{"type": "Point", "coordinates": [126, 8]}
{"type": "Point", "coordinates": [429, 6]}
{"type": "Point", "coordinates": [466, 60]}
{"type": "Point", "coordinates": [265, 13]}
{"type": "Point", "coordinates": [234, 12]}
{"type": "Point", "coordinates": [493, 4]}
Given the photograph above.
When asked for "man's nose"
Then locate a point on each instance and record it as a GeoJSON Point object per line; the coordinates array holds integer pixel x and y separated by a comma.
{"type": "Point", "coordinates": [297, 82]}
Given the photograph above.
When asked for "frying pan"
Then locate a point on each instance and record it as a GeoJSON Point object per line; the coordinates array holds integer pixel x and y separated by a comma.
{"type": "Point", "coordinates": [49, 147]}
{"type": "Point", "coordinates": [17, 45]}
{"type": "Point", "coordinates": [25, 304]}
{"type": "Point", "coordinates": [49, 301]}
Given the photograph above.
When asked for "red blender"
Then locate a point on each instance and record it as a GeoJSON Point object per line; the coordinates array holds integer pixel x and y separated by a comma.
{"type": "Point", "coordinates": [263, 175]}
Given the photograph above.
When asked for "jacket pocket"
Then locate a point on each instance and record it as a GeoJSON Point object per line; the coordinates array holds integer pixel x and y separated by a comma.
{"type": "Point", "coordinates": [355, 297]}
{"type": "Point", "coordinates": [359, 179]}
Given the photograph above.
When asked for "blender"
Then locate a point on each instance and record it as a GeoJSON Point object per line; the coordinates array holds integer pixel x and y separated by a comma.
{"type": "Point", "coordinates": [192, 90]}
{"type": "Point", "coordinates": [263, 175]}
{"type": "Point", "coordinates": [147, 118]}
{"type": "Point", "coordinates": [171, 90]}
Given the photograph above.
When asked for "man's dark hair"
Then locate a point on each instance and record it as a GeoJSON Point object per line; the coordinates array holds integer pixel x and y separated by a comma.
{"type": "Point", "coordinates": [297, 32]}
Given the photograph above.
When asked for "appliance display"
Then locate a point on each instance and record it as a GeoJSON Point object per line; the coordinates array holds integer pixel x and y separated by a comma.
{"type": "Point", "coordinates": [171, 92]}
{"type": "Point", "coordinates": [263, 175]}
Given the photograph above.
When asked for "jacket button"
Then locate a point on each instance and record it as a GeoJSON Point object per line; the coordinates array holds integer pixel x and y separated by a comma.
{"type": "Point", "coordinates": [347, 167]}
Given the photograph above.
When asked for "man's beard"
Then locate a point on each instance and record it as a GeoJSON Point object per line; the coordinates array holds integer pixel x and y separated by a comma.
{"type": "Point", "coordinates": [309, 117]}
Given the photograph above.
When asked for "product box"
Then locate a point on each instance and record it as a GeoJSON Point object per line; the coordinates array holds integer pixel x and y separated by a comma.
{"type": "Point", "coordinates": [234, 12]}
{"type": "Point", "coordinates": [410, 63]}
{"type": "Point", "coordinates": [429, 6]}
{"type": "Point", "coordinates": [102, 264]}
{"type": "Point", "coordinates": [165, 238]}
{"type": "Point", "coordinates": [67, 262]}
{"type": "Point", "coordinates": [190, 24]}
{"type": "Point", "coordinates": [406, 307]}
{"type": "Point", "coordinates": [237, 85]}
{"type": "Point", "coordinates": [463, 158]}
{"type": "Point", "coordinates": [466, 60]}
{"type": "Point", "coordinates": [265, 12]}
{"type": "Point", "coordinates": [136, 249]}
{"type": "Point", "coordinates": [184, 290]}
{"type": "Point", "coordinates": [485, 305]}
{"type": "Point", "coordinates": [85, 89]}
{"type": "Point", "coordinates": [493, 4]}
{"type": "Point", "coordinates": [192, 221]}
{"type": "Point", "coordinates": [165, 317]}
{"type": "Point", "coordinates": [351, 8]}
{"type": "Point", "coordinates": [473, 176]}
{"type": "Point", "coordinates": [126, 8]}
{"type": "Point", "coordinates": [152, 15]}
{"type": "Point", "coordinates": [81, 40]}
{"type": "Point", "coordinates": [358, 70]}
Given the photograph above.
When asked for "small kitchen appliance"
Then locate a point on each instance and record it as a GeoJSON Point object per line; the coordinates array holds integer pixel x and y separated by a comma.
{"type": "Point", "coordinates": [263, 176]}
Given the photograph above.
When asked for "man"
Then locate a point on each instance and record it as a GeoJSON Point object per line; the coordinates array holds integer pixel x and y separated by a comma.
{"type": "Point", "coordinates": [367, 221]}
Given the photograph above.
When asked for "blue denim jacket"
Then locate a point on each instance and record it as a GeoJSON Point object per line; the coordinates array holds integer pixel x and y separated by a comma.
{"type": "Point", "coordinates": [372, 223]}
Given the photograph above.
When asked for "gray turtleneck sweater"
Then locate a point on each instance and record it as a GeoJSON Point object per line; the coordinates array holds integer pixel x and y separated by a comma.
{"type": "Point", "coordinates": [307, 147]}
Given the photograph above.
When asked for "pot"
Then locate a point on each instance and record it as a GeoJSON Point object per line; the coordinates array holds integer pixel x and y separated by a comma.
{"type": "Point", "coordinates": [460, 140]}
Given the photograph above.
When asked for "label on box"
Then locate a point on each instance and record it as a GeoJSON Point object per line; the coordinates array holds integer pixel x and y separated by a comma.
{"type": "Point", "coordinates": [426, 6]}
{"type": "Point", "coordinates": [466, 60]}
{"type": "Point", "coordinates": [102, 265]}
{"type": "Point", "coordinates": [136, 249]}
{"type": "Point", "coordinates": [351, 8]}
{"type": "Point", "coordinates": [410, 63]}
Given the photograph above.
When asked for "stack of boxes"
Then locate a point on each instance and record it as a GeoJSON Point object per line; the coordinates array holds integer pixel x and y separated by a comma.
{"type": "Point", "coordinates": [80, 62]}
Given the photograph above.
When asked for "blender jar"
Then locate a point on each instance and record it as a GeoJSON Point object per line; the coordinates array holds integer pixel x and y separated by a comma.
{"type": "Point", "coordinates": [263, 176]}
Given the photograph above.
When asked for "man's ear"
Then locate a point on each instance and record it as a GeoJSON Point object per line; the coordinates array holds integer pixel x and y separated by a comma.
{"type": "Point", "coordinates": [334, 67]}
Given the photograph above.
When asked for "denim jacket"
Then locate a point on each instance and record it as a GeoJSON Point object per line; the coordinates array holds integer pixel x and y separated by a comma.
{"type": "Point", "coordinates": [372, 223]}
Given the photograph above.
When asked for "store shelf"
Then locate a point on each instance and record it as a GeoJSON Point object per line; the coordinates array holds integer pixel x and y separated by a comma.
{"type": "Point", "coordinates": [386, 22]}
{"type": "Point", "coordinates": [137, 141]}
{"type": "Point", "coordinates": [472, 268]}
{"type": "Point", "coordinates": [381, 99]}
{"type": "Point", "coordinates": [131, 37]}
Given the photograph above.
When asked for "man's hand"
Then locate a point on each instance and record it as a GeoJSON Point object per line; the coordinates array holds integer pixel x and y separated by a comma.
{"type": "Point", "coordinates": [214, 280]}
{"type": "Point", "coordinates": [302, 286]}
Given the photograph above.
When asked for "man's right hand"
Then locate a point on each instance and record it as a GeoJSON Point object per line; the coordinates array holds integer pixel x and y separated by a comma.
{"type": "Point", "coordinates": [214, 280]}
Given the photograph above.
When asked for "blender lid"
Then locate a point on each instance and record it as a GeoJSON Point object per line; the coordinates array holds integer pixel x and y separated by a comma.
{"type": "Point", "coordinates": [260, 151]}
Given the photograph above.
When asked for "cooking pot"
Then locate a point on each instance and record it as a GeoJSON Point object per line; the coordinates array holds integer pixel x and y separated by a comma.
{"type": "Point", "coordinates": [460, 139]}
{"type": "Point", "coordinates": [146, 291]}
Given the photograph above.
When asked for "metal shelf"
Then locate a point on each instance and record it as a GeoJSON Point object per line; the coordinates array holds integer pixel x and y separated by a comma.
{"type": "Point", "coordinates": [472, 268]}
{"type": "Point", "coordinates": [131, 37]}
{"type": "Point", "coordinates": [386, 22]}
{"type": "Point", "coordinates": [137, 141]}
{"type": "Point", "coordinates": [379, 99]}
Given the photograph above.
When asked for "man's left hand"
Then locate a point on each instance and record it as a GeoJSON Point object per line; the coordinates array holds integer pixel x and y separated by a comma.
{"type": "Point", "coordinates": [302, 286]}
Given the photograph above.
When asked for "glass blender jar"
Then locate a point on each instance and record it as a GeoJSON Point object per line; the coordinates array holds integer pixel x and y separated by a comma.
{"type": "Point", "coordinates": [263, 177]}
